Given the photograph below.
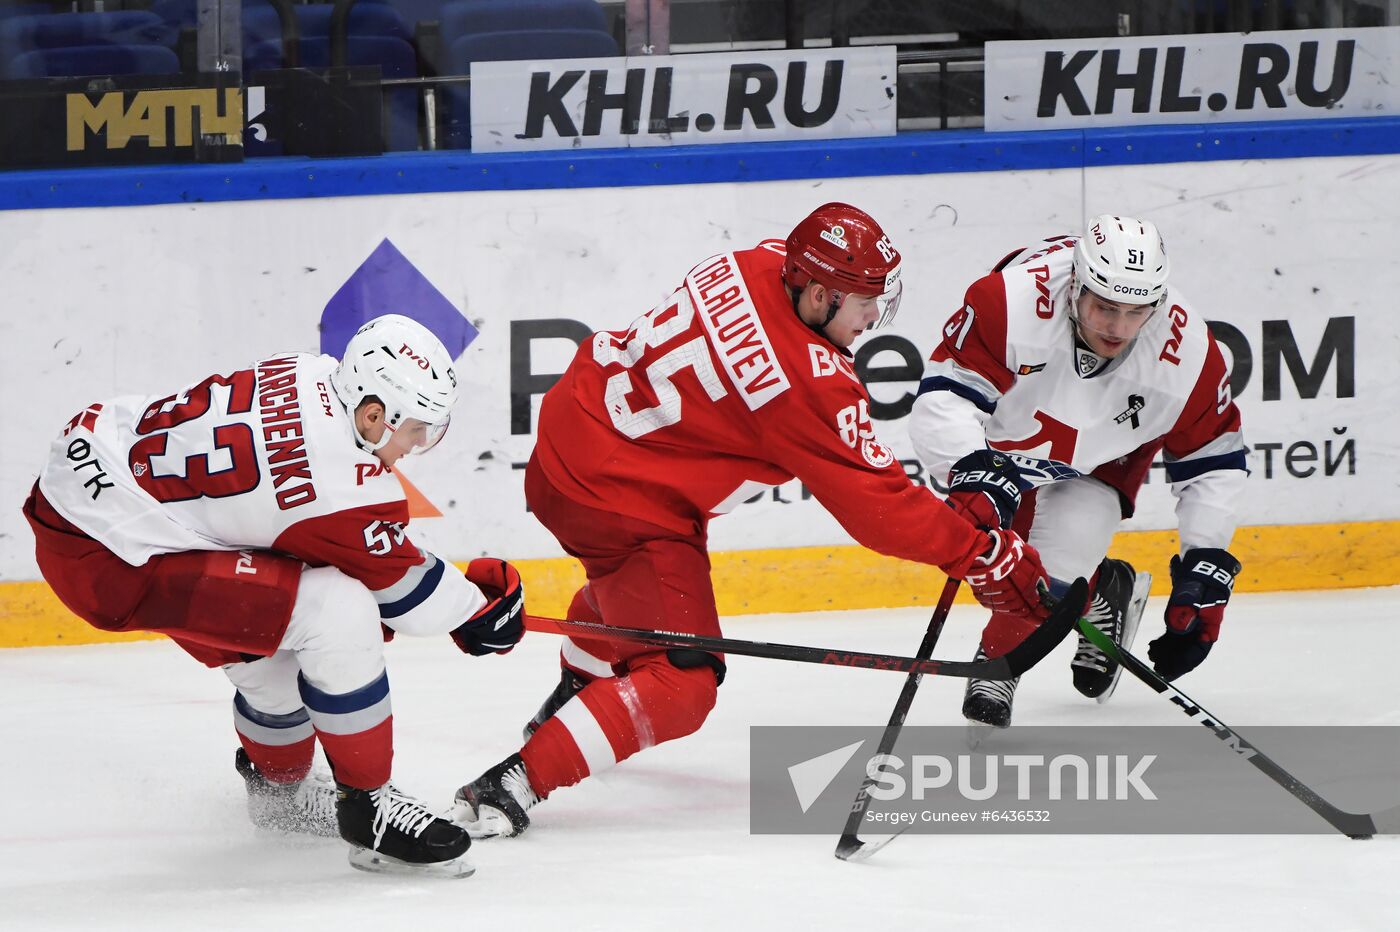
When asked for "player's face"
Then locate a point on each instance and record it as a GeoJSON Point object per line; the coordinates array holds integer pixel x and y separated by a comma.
{"type": "Point", "coordinates": [856, 314]}
{"type": "Point", "coordinates": [1109, 326]}
{"type": "Point", "coordinates": [413, 436]}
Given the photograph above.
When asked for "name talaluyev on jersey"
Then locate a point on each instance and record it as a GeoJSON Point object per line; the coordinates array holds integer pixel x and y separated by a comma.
{"type": "Point", "coordinates": [282, 432]}
{"type": "Point", "coordinates": [732, 321]}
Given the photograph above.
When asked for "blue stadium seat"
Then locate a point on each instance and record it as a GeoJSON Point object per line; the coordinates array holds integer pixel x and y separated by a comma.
{"type": "Point", "coordinates": [394, 56]}
{"type": "Point", "coordinates": [465, 17]}
{"type": "Point", "coordinates": [261, 23]}
{"type": "Point", "coordinates": [22, 34]}
{"type": "Point", "coordinates": [11, 10]}
{"type": "Point", "coordinates": [176, 12]}
{"type": "Point", "coordinates": [518, 45]}
{"type": "Point", "coordinates": [413, 12]}
{"type": "Point", "coordinates": [83, 60]}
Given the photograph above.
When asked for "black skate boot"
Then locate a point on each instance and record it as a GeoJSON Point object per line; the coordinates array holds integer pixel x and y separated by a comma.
{"type": "Point", "coordinates": [1115, 609]}
{"type": "Point", "coordinates": [988, 702]}
{"type": "Point", "coordinates": [390, 832]}
{"type": "Point", "coordinates": [570, 683]}
{"type": "Point", "coordinates": [495, 803]}
{"type": "Point", "coordinates": [306, 807]}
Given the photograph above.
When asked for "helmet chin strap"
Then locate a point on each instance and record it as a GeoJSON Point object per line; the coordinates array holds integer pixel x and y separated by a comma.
{"type": "Point", "coordinates": [831, 310]}
{"type": "Point", "coordinates": [360, 441]}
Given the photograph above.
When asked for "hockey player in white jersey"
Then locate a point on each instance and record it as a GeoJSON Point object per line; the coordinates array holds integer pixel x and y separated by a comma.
{"type": "Point", "coordinates": [254, 518]}
{"type": "Point", "coordinates": [1068, 368]}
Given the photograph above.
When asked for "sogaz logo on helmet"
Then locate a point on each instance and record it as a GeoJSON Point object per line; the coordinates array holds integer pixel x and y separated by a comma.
{"type": "Point", "coordinates": [1130, 289]}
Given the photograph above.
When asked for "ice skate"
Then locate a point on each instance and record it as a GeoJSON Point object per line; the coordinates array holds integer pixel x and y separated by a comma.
{"type": "Point", "coordinates": [305, 807]}
{"type": "Point", "coordinates": [390, 832]}
{"type": "Point", "coordinates": [987, 705]}
{"type": "Point", "coordinates": [495, 803]}
{"type": "Point", "coordinates": [1115, 609]}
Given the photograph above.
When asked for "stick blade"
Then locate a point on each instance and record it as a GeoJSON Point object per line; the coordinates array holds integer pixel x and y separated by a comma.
{"type": "Point", "coordinates": [1050, 632]}
{"type": "Point", "coordinates": [1387, 822]}
{"type": "Point", "coordinates": [851, 848]}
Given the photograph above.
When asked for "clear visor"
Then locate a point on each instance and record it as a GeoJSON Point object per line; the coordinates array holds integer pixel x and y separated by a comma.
{"type": "Point", "coordinates": [415, 436]}
{"type": "Point", "coordinates": [888, 304]}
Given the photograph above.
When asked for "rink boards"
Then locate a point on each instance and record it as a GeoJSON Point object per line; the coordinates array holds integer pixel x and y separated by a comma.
{"type": "Point", "coordinates": [1279, 234]}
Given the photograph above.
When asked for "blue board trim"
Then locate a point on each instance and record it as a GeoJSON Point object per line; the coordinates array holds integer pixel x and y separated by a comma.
{"type": "Point", "coordinates": [905, 154]}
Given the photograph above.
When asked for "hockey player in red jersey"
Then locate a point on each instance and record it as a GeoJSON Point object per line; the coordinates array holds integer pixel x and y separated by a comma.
{"type": "Point", "coordinates": [254, 519]}
{"type": "Point", "coordinates": [738, 381]}
{"type": "Point", "coordinates": [1068, 368]}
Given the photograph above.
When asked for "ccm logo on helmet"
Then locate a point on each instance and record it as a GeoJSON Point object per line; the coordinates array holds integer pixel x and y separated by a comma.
{"type": "Point", "coordinates": [1127, 289]}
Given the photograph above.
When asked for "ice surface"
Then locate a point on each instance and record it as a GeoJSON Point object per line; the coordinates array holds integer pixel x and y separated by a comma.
{"type": "Point", "coordinates": [121, 808]}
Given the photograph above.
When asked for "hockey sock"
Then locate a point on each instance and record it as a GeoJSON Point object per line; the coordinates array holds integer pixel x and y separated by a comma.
{"type": "Point", "coordinates": [280, 746]}
{"type": "Point", "coordinates": [579, 656]}
{"type": "Point", "coordinates": [356, 730]}
{"type": "Point", "coordinates": [612, 719]}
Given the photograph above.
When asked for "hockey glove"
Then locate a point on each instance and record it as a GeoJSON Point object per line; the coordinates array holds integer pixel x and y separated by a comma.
{"type": "Point", "coordinates": [1009, 578]}
{"type": "Point", "coordinates": [1202, 581]}
{"type": "Point", "coordinates": [498, 626]}
{"type": "Point", "coordinates": [985, 488]}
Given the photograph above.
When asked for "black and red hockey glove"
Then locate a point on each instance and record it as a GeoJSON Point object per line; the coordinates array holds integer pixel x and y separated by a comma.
{"type": "Point", "coordinates": [985, 488]}
{"type": "Point", "coordinates": [500, 624]}
{"type": "Point", "coordinates": [1009, 578]}
{"type": "Point", "coordinates": [1202, 580]}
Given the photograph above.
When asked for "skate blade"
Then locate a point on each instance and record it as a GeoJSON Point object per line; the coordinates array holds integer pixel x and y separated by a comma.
{"type": "Point", "coordinates": [977, 732]}
{"type": "Point", "coordinates": [1132, 619]}
{"type": "Point", "coordinates": [375, 863]}
{"type": "Point", "coordinates": [488, 822]}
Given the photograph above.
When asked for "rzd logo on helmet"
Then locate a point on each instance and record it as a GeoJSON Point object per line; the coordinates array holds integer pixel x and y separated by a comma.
{"type": "Point", "coordinates": [876, 453]}
{"type": "Point", "coordinates": [420, 361]}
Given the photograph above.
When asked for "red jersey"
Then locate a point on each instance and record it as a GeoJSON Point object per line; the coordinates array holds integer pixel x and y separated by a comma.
{"type": "Point", "coordinates": [720, 392]}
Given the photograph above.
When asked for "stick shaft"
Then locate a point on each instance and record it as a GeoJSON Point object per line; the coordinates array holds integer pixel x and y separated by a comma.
{"type": "Point", "coordinates": [849, 842]}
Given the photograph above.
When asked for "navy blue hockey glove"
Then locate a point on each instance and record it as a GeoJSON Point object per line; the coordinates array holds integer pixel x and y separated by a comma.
{"type": "Point", "coordinates": [985, 488]}
{"type": "Point", "coordinates": [500, 625]}
{"type": "Point", "coordinates": [1202, 581]}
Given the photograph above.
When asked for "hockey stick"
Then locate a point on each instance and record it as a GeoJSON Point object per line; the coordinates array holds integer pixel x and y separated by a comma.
{"type": "Point", "coordinates": [849, 847]}
{"type": "Point", "coordinates": [1009, 666]}
{"type": "Point", "coordinates": [1351, 824]}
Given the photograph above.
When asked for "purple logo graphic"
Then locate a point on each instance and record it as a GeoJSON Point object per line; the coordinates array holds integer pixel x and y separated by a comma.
{"type": "Point", "coordinates": [387, 283]}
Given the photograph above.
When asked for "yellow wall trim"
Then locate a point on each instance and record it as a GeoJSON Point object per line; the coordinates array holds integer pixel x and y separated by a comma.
{"type": "Point", "coordinates": [802, 579]}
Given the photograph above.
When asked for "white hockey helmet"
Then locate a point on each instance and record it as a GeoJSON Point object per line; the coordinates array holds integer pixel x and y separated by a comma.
{"type": "Point", "coordinates": [400, 362]}
{"type": "Point", "coordinates": [1122, 259]}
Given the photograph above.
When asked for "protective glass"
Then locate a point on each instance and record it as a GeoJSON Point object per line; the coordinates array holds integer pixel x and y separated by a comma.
{"type": "Point", "coordinates": [419, 436]}
{"type": "Point", "coordinates": [888, 303]}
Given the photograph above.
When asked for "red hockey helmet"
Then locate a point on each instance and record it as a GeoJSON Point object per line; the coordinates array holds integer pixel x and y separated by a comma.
{"type": "Point", "coordinates": [843, 248]}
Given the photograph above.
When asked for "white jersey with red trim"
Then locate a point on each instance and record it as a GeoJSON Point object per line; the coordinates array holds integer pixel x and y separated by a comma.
{"type": "Point", "coordinates": [1009, 374]}
{"type": "Point", "coordinates": [260, 458]}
